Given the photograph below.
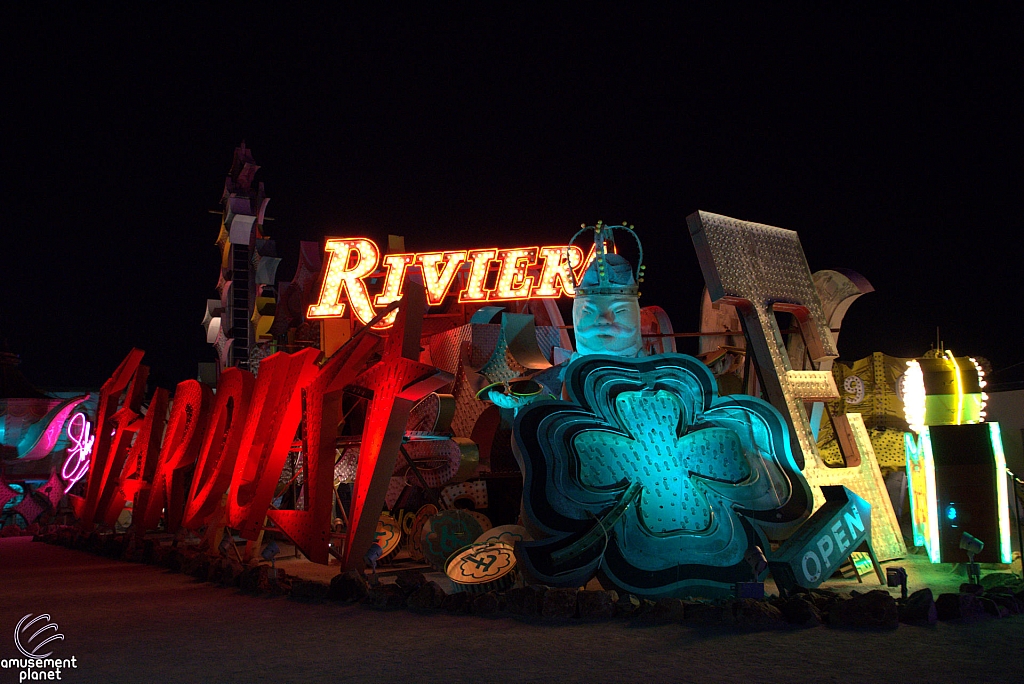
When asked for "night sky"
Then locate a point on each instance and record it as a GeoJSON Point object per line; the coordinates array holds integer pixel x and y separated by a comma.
{"type": "Point", "coordinates": [890, 141]}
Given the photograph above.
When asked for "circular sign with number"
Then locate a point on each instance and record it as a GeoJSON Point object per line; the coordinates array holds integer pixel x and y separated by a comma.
{"type": "Point", "coordinates": [480, 568]}
{"type": "Point", "coordinates": [446, 533]}
{"type": "Point", "coordinates": [510, 534]}
{"type": "Point", "coordinates": [389, 534]}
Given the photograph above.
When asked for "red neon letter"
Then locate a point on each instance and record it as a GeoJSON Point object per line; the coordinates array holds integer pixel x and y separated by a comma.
{"type": "Point", "coordinates": [100, 463]}
{"type": "Point", "coordinates": [185, 428]}
{"type": "Point", "coordinates": [310, 529]}
{"type": "Point", "coordinates": [220, 446]}
{"type": "Point", "coordinates": [274, 415]}
{"type": "Point", "coordinates": [137, 474]}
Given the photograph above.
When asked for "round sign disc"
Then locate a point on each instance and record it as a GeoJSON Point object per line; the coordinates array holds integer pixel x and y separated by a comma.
{"type": "Point", "coordinates": [480, 568]}
{"type": "Point", "coordinates": [446, 533]}
{"type": "Point", "coordinates": [389, 534]}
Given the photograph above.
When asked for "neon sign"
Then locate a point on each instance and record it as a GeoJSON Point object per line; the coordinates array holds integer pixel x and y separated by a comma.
{"type": "Point", "coordinates": [77, 463]}
{"type": "Point", "coordinates": [522, 273]}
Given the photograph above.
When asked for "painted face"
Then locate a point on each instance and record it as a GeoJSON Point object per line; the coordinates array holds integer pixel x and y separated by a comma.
{"type": "Point", "coordinates": [607, 324]}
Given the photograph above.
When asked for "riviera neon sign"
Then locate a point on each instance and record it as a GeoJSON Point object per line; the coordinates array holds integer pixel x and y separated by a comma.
{"type": "Point", "coordinates": [522, 273]}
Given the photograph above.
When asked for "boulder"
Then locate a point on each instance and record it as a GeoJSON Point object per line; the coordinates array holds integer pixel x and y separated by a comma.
{"type": "Point", "coordinates": [596, 605]}
{"type": "Point", "coordinates": [430, 596]}
{"type": "Point", "coordinates": [919, 608]}
{"type": "Point", "coordinates": [385, 596]}
{"type": "Point", "coordinates": [993, 608]}
{"type": "Point", "coordinates": [751, 614]}
{"type": "Point", "coordinates": [459, 602]}
{"type": "Point", "coordinates": [231, 573]}
{"type": "Point", "coordinates": [196, 565]}
{"type": "Point", "coordinates": [527, 601]}
{"type": "Point", "coordinates": [559, 603]}
{"type": "Point", "coordinates": [800, 610]}
{"type": "Point", "coordinates": [701, 613]}
{"type": "Point", "coordinates": [348, 586]}
{"type": "Point", "coordinates": [486, 604]}
{"type": "Point", "coordinates": [872, 610]}
{"type": "Point", "coordinates": [1005, 600]}
{"type": "Point", "coordinates": [309, 591]}
{"type": "Point", "coordinates": [628, 605]}
{"type": "Point", "coordinates": [668, 610]}
{"type": "Point", "coordinates": [959, 607]}
{"type": "Point", "coordinates": [1011, 582]}
{"type": "Point", "coordinates": [410, 580]}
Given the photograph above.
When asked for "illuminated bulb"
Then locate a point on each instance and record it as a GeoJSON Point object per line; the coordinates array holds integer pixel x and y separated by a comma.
{"type": "Point", "coordinates": [439, 269]}
{"type": "Point", "coordinates": [914, 396]}
{"type": "Point", "coordinates": [513, 281]}
{"type": "Point", "coordinates": [555, 276]}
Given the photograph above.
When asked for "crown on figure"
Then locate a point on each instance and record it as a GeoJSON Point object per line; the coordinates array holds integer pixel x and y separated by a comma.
{"type": "Point", "coordinates": [609, 273]}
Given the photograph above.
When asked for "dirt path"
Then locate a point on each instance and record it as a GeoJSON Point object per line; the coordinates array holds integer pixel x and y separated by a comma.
{"type": "Point", "coordinates": [138, 623]}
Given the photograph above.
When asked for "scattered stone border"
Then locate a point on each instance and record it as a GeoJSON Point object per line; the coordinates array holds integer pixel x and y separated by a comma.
{"type": "Point", "coordinates": [1000, 595]}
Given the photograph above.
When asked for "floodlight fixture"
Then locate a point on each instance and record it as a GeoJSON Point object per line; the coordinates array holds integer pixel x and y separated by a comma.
{"type": "Point", "coordinates": [897, 577]}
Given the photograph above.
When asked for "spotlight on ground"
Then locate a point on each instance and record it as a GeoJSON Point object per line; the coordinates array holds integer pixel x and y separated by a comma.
{"type": "Point", "coordinates": [972, 545]}
{"type": "Point", "coordinates": [897, 577]}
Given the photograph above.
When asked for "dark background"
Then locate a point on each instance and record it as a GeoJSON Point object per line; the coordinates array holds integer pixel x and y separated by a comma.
{"type": "Point", "coordinates": [889, 140]}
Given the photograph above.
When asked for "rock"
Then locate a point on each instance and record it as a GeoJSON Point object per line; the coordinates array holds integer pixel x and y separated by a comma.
{"type": "Point", "coordinates": [627, 606]}
{"type": "Point", "coordinates": [527, 601]}
{"type": "Point", "coordinates": [993, 608]}
{"type": "Point", "coordinates": [752, 614]}
{"type": "Point", "coordinates": [875, 609]}
{"type": "Point", "coordinates": [174, 560]}
{"type": "Point", "coordinates": [231, 573]}
{"type": "Point", "coordinates": [823, 598]}
{"type": "Point", "coordinates": [348, 586]}
{"type": "Point", "coordinates": [1006, 600]}
{"type": "Point", "coordinates": [646, 608]}
{"type": "Point", "coordinates": [559, 603]}
{"type": "Point", "coordinates": [385, 596]}
{"type": "Point", "coordinates": [668, 610]}
{"type": "Point", "coordinates": [410, 580]}
{"type": "Point", "coordinates": [198, 565]}
{"type": "Point", "coordinates": [703, 614]}
{"type": "Point", "coordinates": [919, 608]}
{"type": "Point", "coordinates": [959, 607]}
{"type": "Point", "coordinates": [1010, 581]}
{"type": "Point", "coordinates": [800, 610]}
{"type": "Point", "coordinates": [250, 581]}
{"type": "Point", "coordinates": [459, 602]}
{"type": "Point", "coordinates": [486, 604]}
{"type": "Point", "coordinates": [596, 605]}
{"type": "Point", "coordinates": [158, 554]}
{"type": "Point", "coordinates": [430, 596]}
{"type": "Point", "coordinates": [971, 588]}
{"type": "Point", "coordinates": [309, 591]}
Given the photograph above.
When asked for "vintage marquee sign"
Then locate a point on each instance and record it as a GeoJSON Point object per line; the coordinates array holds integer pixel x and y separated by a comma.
{"type": "Point", "coordinates": [522, 273]}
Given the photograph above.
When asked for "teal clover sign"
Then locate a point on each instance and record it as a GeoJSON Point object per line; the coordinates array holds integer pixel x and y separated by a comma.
{"type": "Point", "coordinates": [651, 479]}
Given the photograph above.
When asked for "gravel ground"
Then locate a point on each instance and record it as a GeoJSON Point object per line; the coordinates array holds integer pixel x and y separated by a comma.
{"type": "Point", "coordinates": [125, 622]}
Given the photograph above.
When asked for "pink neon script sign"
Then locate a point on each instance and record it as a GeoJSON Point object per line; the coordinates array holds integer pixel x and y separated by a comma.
{"type": "Point", "coordinates": [77, 462]}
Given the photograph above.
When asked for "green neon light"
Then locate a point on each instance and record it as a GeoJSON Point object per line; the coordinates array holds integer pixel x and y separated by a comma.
{"type": "Point", "coordinates": [1001, 493]}
{"type": "Point", "coordinates": [915, 473]}
{"type": "Point", "coordinates": [932, 536]}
